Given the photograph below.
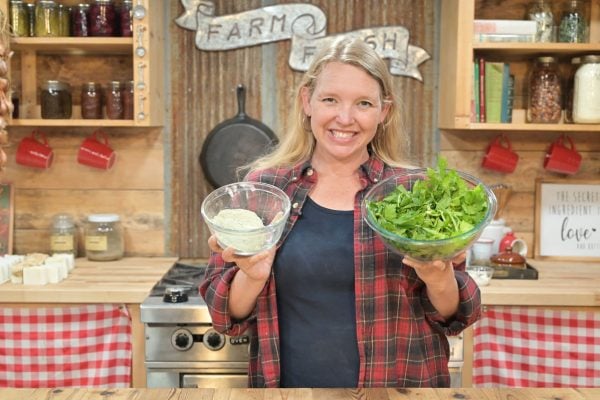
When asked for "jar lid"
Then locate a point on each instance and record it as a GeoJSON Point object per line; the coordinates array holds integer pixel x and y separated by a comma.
{"type": "Point", "coordinates": [103, 218]}
{"type": "Point", "coordinates": [576, 60]}
{"type": "Point", "coordinates": [83, 5]}
{"type": "Point", "coordinates": [63, 221]}
{"type": "Point", "coordinates": [546, 59]}
{"type": "Point", "coordinates": [591, 59]}
{"type": "Point", "coordinates": [16, 2]}
{"type": "Point", "coordinates": [55, 85]}
{"type": "Point", "coordinates": [508, 258]}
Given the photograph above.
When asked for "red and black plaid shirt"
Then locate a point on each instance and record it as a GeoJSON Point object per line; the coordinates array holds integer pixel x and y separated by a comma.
{"type": "Point", "coordinates": [401, 336]}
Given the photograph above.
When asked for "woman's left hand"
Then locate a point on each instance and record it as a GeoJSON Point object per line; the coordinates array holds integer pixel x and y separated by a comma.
{"type": "Point", "coordinates": [436, 271]}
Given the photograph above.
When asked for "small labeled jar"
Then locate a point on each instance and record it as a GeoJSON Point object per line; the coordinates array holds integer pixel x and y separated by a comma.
{"type": "Point", "coordinates": [103, 18]}
{"type": "Point", "coordinates": [126, 18]}
{"type": "Point", "coordinates": [127, 94]}
{"type": "Point", "coordinates": [91, 101]}
{"type": "Point", "coordinates": [56, 101]}
{"type": "Point", "coordinates": [545, 92]}
{"type": "Point", "coordinates": [586, 93]}
{"type": "Point", "coordinates": [80, 24]}
{"type": "Point", "coordinates": [63, 235]}
{"type": "Point", "coordinates": [104, 237]}
{"type": "Point", "coordinates": [114, 101]}
{"type": "Point", "coordinates": [19, 18]}
{"type": "Point", "coordinates": [573, 26]}
{"type": "Point", "coordinates": [47, 22]}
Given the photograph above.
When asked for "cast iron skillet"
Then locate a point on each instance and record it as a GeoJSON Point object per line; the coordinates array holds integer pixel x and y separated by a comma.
{"type": "Point", "coordinates": [233, 143]}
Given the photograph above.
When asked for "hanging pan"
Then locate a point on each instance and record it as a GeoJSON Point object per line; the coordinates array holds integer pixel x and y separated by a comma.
{"type": "Point", "coordinates": [234, 143]}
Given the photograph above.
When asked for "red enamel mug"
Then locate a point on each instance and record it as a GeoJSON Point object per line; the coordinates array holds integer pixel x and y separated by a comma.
{"type": "Point", "coordinates": [34, 151]}
{"type": "Point", "coordinates": [500, 155]}
{"type": "Point", "coordinates": [562, 159]}
{"type": "Point", "coordinates": [96, 152]}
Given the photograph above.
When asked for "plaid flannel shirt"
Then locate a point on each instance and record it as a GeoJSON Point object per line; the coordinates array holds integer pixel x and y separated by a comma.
{"type": "Point", "coordinates": [401, 336]}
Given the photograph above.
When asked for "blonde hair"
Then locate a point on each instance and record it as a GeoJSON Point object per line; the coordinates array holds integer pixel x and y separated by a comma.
{"type": "Point", "coordinates": [390, 142]}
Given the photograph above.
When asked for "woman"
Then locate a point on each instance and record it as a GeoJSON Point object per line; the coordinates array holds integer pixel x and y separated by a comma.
{"type": "Point", "coordinates": [332, 306]}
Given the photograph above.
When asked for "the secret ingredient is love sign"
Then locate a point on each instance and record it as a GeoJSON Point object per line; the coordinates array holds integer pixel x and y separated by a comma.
{"type": "Point", "coordinates": [567, 217]}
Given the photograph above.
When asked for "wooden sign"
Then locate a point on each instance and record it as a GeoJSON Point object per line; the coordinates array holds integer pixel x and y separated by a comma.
{"type": "Point", "coordinates": [567, 219]}
{"type": "Point", "coordinates": [6, 218]}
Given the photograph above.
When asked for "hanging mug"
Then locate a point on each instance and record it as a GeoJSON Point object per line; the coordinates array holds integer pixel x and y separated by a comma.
{"type": "Point", "coordinates": [96, 153]}
{"type": "Point", "coordinates": [562, 159]}
{"type": "Point", "coordinates": [34, 151]}
{"type": "Point", "coordinates": [500, 155]}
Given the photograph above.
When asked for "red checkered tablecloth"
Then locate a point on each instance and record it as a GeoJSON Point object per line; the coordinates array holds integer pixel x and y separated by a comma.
{"type": "Point", "coordinates": [534, 347]}
{"type": "Point", "coordinates": [82, 346]}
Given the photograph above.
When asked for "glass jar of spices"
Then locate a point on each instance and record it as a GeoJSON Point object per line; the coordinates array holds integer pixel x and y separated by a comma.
{"type": "Point", "coordinates": [126, 18]}
{"type": "Point", "coordinates": [19, 19]}
{"type": "Point", "coordinates": [56, 100]}
{"type": "Point", "coordinates": [586, 95]}
{"type": "Point", "coordinates": [127, 95]}
{"type": "Point", "coordinates": [570, 88]}
{"type": "Point", "coordinates": [80, 25]}
{"type": "Point", "coordinates": [573, 26]}
{"type": "Point", "coordinates": [114, 101]}
{"type": "Point", "coordinates": [104, 237]}
{"type": "Point", "coordinates": [63, 235]}
{"type": "Point", "coordinates": [91, 101]}
{"type": "Point", "coordinates": [545, 92]}
{"type": "Point", "coordinates": [540, 11]}
{"type": "Point", "coordinates": [103, 18]}
{"type": "Point", "coordinates": [46, 19]}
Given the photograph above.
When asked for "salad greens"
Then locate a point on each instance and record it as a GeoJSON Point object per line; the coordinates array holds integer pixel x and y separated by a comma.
{"type": "Point", "coordinates": [442, 206]}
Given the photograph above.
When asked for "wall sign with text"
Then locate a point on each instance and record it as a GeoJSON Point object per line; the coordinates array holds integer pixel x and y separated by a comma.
{"type": "Point", "coordinates": [567, 215]}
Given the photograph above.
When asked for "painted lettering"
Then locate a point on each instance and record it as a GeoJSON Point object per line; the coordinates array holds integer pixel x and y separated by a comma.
{"type": "Point", "coordinates": [212, 28]}
{"type": "Point", "coordinates": [234, 32]}
{"type": "Point", "coordinates": [577, 233]}
{"type": "Point", "coordinates": [277, 19]}
{"type": "Point", "coordinates": [256, 23]}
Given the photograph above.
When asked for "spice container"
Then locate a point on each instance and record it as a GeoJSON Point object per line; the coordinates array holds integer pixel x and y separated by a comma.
{"type": "Point", "coordinates": [114, 101]}
{"type": "Point", "coordinates": [573, 26]}
{"type": "Point", "coordinates": [586, 94]}
{"type": "Point", "coordinates": [56, 101]}
{"type": "Point", "coordinates": [80, 24]}
{"type": "Point", "coordinates": [63, 237]}
{"type": "Point", "coordinates": [103, 18]}
{"type": "Point", "coordinates": [127, 95]}
{"type": "Point", "coordinates": [545, 92]}
{"type": "Point", "coordinates": [569, 89]}
{"type": "Point", "coordinates": [126, 18]}
{"type": "Point", "coordinates": [104, 237]}
{"type": "Point", "coordinates": [91, 101]}
{"type": "Point", "coordinates": [19, 19]}
{"type": "Point", "coordinates": [46, 18]}
{"type": "Point", "coordinates": [541, 12]}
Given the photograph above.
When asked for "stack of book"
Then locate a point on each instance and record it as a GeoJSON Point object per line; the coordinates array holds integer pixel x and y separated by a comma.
{"type": "Point", "coordinates": [493, 92]}
{"type": "Point", "coordinates": [503, 30]}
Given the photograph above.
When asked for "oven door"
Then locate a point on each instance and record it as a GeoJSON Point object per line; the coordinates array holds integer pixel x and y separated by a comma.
{"type": "Point", "coordinates": [214, 380]}
{"type": "Point", "coordinates": [197, 375]}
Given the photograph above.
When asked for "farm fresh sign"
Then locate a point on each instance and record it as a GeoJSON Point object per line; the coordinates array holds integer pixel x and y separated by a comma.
{"type": "Point", "coordinates": [304, 24]}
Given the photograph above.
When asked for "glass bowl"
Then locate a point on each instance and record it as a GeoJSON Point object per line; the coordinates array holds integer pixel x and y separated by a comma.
{"type": "Point", "coordinates": [269, 203]}
{"type": "Point", "coordinates": [481, 274]}
{"type": "Point", "coordinates": [439, 249]}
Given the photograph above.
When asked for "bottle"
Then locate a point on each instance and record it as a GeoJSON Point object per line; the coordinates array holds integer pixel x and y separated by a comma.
{"type": "Point", "coordinates": [80, 20]}
{"type": "Point", "coordinates": [46, 19]}
{"type": "Point", "coordinates": [586, 93]}
{"type": "Point", "coordinates": [573, 26]}
{"type": "Point", "coordinates": [56, 101]}
{"type": "Point", "coordinates": [19, 20]}
{"type": "Point", "coordinates": [575, 61]}
{"type": "Point", "coordinates": [103, 18]}
{"type": "Point", "coordinates": [104, 237]}
{"type": "Point", "coordinates": [114, 101]}
{"type": "Point", "coordinates": [91, 101]}
{"type": "Point", "coordinates": [545, 92]}
{"type": "Point", "coordinates": [63, 237]}
{"type": "Point", "coordinates": [541, 12]}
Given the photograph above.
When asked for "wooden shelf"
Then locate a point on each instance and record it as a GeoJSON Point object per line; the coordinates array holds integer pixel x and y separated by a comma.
{"type": "Point", "coordinates": [73, 45]}
{"type": "Point", "coordinates": [535, 127]}
{"type": "Point", "coordinates": [73, 122]}
{"type": "Point", "coordinates": [522, 50]}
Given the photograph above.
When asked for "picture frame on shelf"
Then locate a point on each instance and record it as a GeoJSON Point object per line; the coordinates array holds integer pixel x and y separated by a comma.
{"type": "Point", "coordinates": [567, 219]}
{"type": "Point", "coordinates": [6, 218]}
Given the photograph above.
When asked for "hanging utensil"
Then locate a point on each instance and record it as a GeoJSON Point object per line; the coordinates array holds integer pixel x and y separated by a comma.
{"type": "Point", "coordinates": [140, 50]}
{"type": "Point", "coordinates": [139, 11]}
{"type": "Point", "coordinates": [502, 192]}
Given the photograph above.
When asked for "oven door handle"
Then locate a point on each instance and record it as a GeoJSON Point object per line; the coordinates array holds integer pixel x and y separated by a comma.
{"type": "Point", "coordinates": [230, 366]}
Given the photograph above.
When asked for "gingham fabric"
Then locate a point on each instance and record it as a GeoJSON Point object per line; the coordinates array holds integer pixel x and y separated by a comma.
{"type": "Point", "coordinates": [536, 347]}
{"type": "Point", "coordinates": [80, 346]}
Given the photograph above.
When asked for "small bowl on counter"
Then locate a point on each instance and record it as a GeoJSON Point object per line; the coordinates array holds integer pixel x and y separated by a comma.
{"type": "Point", "coordinates": [481, 274]}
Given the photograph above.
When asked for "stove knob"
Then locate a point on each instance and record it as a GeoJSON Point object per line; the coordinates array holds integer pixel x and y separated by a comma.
{"type": "Point", "coordinates": [213, 340]}
{"type": "Point", "coordinates": [182, 339]}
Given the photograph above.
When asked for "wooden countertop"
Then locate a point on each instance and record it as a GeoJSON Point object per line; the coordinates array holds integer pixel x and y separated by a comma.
{"type": "Point", "coordinates": [559, 283]}
{"type": "Point", "coordinates": [128, 280]}
{"type": "Point", "coordinates": [301, 394]}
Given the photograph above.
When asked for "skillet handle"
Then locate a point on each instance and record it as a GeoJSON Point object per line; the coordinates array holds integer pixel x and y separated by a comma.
{"type": "Point", "coordinates": [241, 98]}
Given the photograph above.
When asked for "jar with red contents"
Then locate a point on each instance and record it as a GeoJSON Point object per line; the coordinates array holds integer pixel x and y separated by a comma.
{"type": "Point", "coordinates": [126, 18]}
{"type": "Point", "coordinates": [80, 20]}
{"type": "Point", "coordinates": [91, 101]}
{"type": "Point", "coordinates": [103, 18]}
{"type": "Point", "coordinates": [114, 101]}
{"type": "Point", "coordinates": [127, 95]}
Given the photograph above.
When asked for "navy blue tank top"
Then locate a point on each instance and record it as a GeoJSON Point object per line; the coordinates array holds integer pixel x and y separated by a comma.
{"type": "Point", "coordinates": [314, 275]}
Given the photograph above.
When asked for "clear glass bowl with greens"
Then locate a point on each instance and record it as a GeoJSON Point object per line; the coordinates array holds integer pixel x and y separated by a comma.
{"type": "Point", "coordinates": [429, 214]}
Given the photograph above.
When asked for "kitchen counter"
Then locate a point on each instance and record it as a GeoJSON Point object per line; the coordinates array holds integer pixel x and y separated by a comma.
{"type": "Point", "coordinates": [301, 394]}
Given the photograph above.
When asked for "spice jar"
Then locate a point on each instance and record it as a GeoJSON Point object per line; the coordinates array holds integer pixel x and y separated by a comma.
{"type": "Point", "coordinates": [127, 95]}
{"type": "Point", "coordinates": [19, 20]}
{"type": "Point", "coordinates": [46, 18]}
{"type": "Point", "coordinates": [80, 24]}
{"type": "Point", "coordinates": [103, 18]}
{"type": "Point", "coordinates": [104, 237]}
{"type": "Point", "coordinates": [63, 238]}
{"type": "Point", "coordinates": [573, 26]}
{"type": "Point", "coordinates": [56, 101]}
{"type": "Point", "coordinates": [586, 93]}
{"type": "Point", "coordinates": [569, 89]}
{"type": "Point", "coordinates": [91, 101]}
{"type": "Point", "coordinates": [541, 12]}
{"type": "Point", "coordinates": [545, 92]}
{"type": "Point", "coordinates": [126, 18]}
{"type": "Point", "coordinates": [114, 101]}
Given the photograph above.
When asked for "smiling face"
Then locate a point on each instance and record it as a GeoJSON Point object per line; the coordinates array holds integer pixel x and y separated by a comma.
{"type": "Point", "coordinates": [345, 109]}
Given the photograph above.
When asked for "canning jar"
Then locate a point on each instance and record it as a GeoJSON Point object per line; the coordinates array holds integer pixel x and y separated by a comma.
{"type": "Point", "coordinates": [104, 237]}
{"type": "Point", "coordinates": [569, 89]}
{"type": "Point", "coordinates": [540, 11]}
{"type": "Point", "coordinates": [31, 18]}
{"type": "Point", "coordinates": [91, 100]}
{"type": "Point", "coordinates": [126, 18]}
{"type": "Point", "coordinates": [63, 235]}
{"type": "Point", "coordinates": [103, 18]}
{"type": "Point", "coordinates": [56, 101]}
{"type": "Point", "coordinates": [80, 24]}
{"type": "Point", "coordinates": [127, 95]}
{"type": "Point", "coordinates": [46, 18]}
{"type": "Point", "coordinates": [114, 101]}
{"type": "Point", "coordinates": [573, 26]}
{"type": "Point", "coordinates": [19, 20]}
{"type": "Point", "coordinates": [586, 95]}
{"type": "Point", "coordinates": [64, 20]}
{"type": "Point", "coordinates": [545, 92]}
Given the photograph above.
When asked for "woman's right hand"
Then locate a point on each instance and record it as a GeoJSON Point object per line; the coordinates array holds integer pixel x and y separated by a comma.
{"type": "Point", "coordinates": [257, 267]}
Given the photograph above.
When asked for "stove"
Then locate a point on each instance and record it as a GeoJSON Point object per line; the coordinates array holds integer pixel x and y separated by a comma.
{"type": "Point", "coordinates": [182, 349]}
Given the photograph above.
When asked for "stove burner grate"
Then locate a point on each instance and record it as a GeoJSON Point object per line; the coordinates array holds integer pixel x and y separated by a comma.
{"type": "Point", "coordinates": [180, 275]}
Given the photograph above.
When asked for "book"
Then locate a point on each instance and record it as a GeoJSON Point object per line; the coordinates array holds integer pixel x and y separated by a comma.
{"type": "Point", "coordinates": [507, 26]}
{"type": "Point", "coordinates": [481, 63]}
{"type": "Point", "coordinates": [503, 37]}
{"type": "Point", "coordinates": [494, 75]}
{"type": "Point", "coordinates": [508, 96]}
{"type": "Point", "coordinates": [476, 117]}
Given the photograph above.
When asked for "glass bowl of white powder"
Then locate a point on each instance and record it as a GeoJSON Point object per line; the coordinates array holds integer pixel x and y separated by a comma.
{"type": "Point", "coordinates": [248, 216]}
